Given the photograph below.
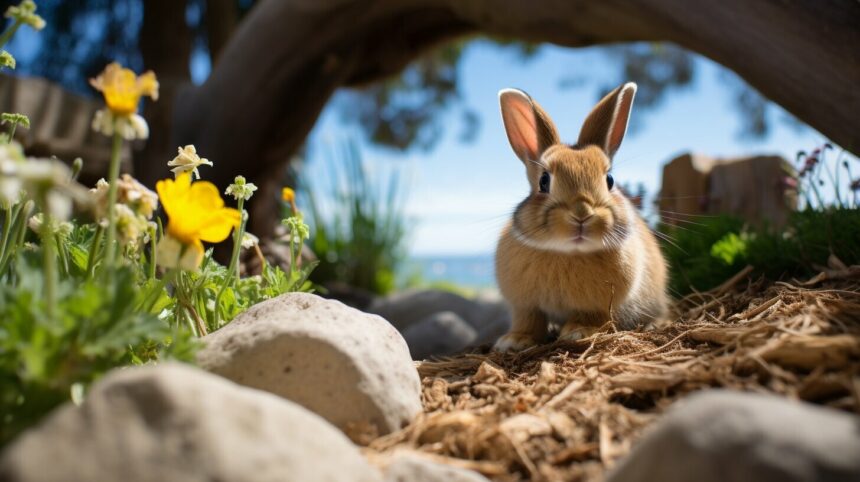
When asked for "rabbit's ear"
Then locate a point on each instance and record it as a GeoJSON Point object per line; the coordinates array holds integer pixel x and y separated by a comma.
{"type": "Point", "coordinates": [530, 131]}
{"type": "Point", "coordinates": [606, 124]}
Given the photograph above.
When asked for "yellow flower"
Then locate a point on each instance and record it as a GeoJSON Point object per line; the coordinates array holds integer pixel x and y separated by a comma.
{"type": "Point", "coordinates": [195, 213]}
{"type": "Point", "coordinates": [123, 89]}
{"type": "Point", "coordinates": [288, 195]}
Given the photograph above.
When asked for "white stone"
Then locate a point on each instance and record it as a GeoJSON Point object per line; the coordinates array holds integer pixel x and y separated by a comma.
{"type": "Point", "coordinates": [352, 368]}
{"type": "Point", "coordinates": [176, 423]}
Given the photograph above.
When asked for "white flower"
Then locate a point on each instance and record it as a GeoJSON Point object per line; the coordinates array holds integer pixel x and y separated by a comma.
{"type": "Point", "coordinates": [188, 161]}
{"type": "Point", "coordinates": [130, 127]}
{"type": "Point", "coordinates": [170, 255]}
{"type": "Point", "coordinates": [249, 240]}
{"type": "Point", "coordinates": [59, 205]}
{"type": "Point", "coordinates": [240, 189]}
{"type": "Point", "coordinates": [61, 228]}
{"type": "Point", "coordinates": [10, 184]}
{"type": "Point", "coordinates": [130, 192]}
{"type": "Point", "coordinates": [131, 227]}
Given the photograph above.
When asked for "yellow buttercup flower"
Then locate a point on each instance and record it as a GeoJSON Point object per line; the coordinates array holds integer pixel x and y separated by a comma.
{"type": "Point", "coordinates": [195, 213]}
{"type": "Point", "coordinates": [288, 195]}
{"type": "Point", "coordinates": [123, 89]}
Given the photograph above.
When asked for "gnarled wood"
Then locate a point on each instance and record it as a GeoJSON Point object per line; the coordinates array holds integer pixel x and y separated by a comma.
{"type": "Point", "coordinates": [289, 56]}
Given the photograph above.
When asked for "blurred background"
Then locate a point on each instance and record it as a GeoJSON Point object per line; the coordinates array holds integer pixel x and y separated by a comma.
{"type": "Point", "coordinates": [408, 178]}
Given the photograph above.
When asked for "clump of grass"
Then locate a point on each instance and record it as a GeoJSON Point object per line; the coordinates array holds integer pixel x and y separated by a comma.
{"type": "Point", "coordinates": [359, 228]}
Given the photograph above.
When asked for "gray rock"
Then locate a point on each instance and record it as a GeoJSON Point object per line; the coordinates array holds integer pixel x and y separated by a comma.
{"type": "Point", "coordinates": [488, 315]}
{"type": "Point", "coordinates": [352, 368]}
{"type": "Point", "coordinates": [176, 423]}
{"type": "Point", "coordinates": [724, 436]}
{"type": "Point", "coordinates": [405, 466]}
{"type": "Point", "coordinates": [493, 318]}
{"type": "Point", "coordinates": [441, 333]}
{"type": "Point", "coordinates": [411, 306]}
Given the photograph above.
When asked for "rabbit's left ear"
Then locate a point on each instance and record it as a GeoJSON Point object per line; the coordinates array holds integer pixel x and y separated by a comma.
{"type": "Point", "coordinates": [606, 125]}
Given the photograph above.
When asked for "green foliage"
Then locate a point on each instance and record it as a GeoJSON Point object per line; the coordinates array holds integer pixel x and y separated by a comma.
{"type": "Point", "coordinates": [95, 326]}
{"type": "Point", "coordinates": [703, 256]}
{"type": "Point", "coordinates": [198, 303]}
{"type": "Point", "coordinates": [76, 300]}
{"type": "Point", "coordinates": [360, 239]}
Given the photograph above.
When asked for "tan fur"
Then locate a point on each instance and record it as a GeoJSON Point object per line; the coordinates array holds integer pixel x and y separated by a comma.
{"type": "Point", "coordinates": [614, 272]}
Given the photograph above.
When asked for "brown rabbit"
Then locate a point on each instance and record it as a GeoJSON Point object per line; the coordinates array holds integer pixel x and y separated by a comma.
{"type": "Point", "coordinates": [576, 251]}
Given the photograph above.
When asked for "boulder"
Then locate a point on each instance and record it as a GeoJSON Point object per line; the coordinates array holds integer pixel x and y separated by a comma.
{"type": "Point", "coordinates": [406, 466]}
{"type": "Point", "coordinates": [411, 306]}
{"type": "Point", "coordinates": [724, 436]}
{"type": "Point", "coordinates": [487, 314]}
{"type": "Point", "coordinates": [442, 333]}
{"type": "Point", "coordinates": [352, 368]}
{"type": "Point", "coordinates": [176, 423]}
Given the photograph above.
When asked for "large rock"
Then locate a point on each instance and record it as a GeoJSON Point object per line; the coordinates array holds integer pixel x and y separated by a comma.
{"type": "Point", "coordinates": [722, 436]}
{"type": "Point", "coordinates": [442, 333]}
{"type": "Point", "coordinates": [350, 367]}
{"type": "Point", "coordinates": [176, 423]}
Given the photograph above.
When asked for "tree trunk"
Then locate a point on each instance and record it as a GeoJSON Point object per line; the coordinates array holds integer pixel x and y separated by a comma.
{"type": "Point", "coordinates": [165, 44]}
{"type": "Point", "coordinates": [222, 18]}
{"type": "Point", "coordinates": [288, 57]}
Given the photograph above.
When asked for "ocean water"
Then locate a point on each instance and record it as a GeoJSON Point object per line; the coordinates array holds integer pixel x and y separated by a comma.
{"type": "Point", "coordinates": [472, 271]}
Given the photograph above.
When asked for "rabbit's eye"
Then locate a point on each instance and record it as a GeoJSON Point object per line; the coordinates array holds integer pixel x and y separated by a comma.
{"type": "Point", "coordinates": [610, 181]}
{"type": "Point", "coordinates": [543, 184]}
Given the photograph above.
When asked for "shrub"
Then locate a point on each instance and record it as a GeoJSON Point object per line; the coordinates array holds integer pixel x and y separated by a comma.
{"type": "Point", "coordinates": [359, 229]}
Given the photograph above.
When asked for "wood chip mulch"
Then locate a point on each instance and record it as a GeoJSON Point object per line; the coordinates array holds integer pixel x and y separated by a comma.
{"type": "Point", "coordinates": [569, 410]}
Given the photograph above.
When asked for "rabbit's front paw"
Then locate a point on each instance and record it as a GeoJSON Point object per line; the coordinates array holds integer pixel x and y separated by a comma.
{"type": "Point", "coordinates": [514, 342]}
{"type": "Point", "coordinates": [573, 333]}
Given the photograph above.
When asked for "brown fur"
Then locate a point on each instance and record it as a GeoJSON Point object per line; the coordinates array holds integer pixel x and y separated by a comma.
{"type": "Point", "coordinates": [615, 272]}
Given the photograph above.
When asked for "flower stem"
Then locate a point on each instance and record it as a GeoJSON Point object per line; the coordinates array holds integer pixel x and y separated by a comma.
{"type": "Point", "coordinates": [49, 259]}
{"type": "Point", "coordinates": [7, 35]}
{"type": "Point", "coordinates": [7, 228]}
{"type": "Point", "coordinates": [233, 269]}
{"type": "Point", "coordinates": [16, 234]}
{"type": "Point", "coordinates": [152, 252]}
{"type": "Point", "coordinates": [94, 250]}
{"type": "Point", "coordinates": [110, 247]}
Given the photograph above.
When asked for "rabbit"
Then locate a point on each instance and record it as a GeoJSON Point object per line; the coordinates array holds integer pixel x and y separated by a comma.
{"type": "Point", "coordinates": [576, 252]}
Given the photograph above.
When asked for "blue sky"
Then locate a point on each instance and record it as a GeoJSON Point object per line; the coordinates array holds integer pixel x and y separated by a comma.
{"type": "Point", "coordinates": [460, 194]}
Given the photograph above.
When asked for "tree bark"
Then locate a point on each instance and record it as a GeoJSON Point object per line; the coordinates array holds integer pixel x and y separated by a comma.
{"type": "Point", "coordinates": [222, 18]}
{"type": "Point", "coordinates": [288, 57]}
{"type": "Point", "coordinates": [165, 44]}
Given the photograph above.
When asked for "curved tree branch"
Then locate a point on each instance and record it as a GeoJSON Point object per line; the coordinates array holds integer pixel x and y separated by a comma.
{"type": "Point", "coordinates": [289, 56]}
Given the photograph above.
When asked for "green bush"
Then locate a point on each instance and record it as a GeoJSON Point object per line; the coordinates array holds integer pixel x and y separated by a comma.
{"type": "Point", "coordinates": [359, 233]}
{"type": "Point", "coordinates": [701, 256]}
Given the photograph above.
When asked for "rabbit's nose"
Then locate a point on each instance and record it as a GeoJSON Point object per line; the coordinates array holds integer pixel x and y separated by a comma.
{"type": "Point", "coordinates": [582, 220]}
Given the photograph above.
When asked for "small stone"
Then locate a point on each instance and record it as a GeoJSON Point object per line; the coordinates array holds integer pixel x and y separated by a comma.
{"type": "Point", "coordinates": [442, 333]}
{"type": "Point", "coordinates": [406, 466]}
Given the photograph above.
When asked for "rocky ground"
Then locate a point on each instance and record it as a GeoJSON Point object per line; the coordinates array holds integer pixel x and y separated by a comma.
{"type": "Point", "coordinates": [303, 388]}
